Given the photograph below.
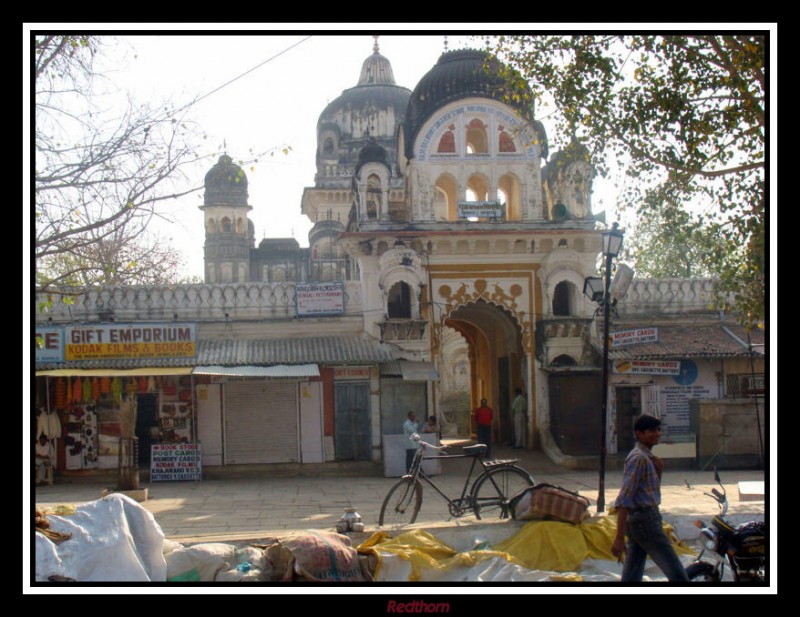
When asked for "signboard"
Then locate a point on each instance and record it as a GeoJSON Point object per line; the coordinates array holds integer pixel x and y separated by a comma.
{"type": "Point", "coordinates": [315, 299]}
{"type": "Point", "coordinates": [175, 461]}
{"type": "Point", "coordinates": [647, 367]}
{"type": "Point", "coordinates": [141, 340]}
{"type": "Point", "coordinates": [480, 209]}
{"type": "Point", "coordinates": [632, 337]}
{"type": "Point", "coordinates": [49, 344]}
{"type": "Point", "coordinates": [351, 372]}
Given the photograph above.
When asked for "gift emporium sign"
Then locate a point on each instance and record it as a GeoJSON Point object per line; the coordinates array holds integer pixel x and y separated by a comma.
{"type": "Point", "coordinates": [141, 340]}
{"type": "Point", "coordinates": [175, 461]}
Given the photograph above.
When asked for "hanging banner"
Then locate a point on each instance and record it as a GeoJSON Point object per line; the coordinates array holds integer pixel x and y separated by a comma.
{"type": "Point", "coordinates": [141, 340]}
{"type": "Point", "coordinates": [647, 367]}
{"type": "Point", "coordinates": [175, 461]}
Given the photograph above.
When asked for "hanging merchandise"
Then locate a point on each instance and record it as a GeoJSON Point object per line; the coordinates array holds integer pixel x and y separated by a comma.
{"type": "Point", "coordinates": [169, 386]}
{"type": "Point", "coordinates": [87, 390]}
{"type": "Point", "coordinates": [142, 385]}
{"type": "Point", "coordinates": [77, 390]}
{"type": "Point", "coordinates": [61, 393]}
{"type": "Point", "coordinates": [89, 439]}
{"type": "Point", "coordinates": [105, 385]}
{"type": "Point", "coordinates": [131, 386]}
{"type": "Point", "coordinates": [95, 388]}
{"type": "Point", "coordinates": [116, 390]}
{"type": "Point", "coordinates": [151, 385]}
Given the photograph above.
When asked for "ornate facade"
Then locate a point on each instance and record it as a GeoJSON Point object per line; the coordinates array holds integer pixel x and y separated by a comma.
{"type": "Point", "coordinates": [452, 247]}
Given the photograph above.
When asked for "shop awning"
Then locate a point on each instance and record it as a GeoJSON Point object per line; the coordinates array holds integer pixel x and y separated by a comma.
{"type": "Point", "coordinates": [116, 372]}
{"type": "Point", "coordinates": [279, 370]}
{"type": "Point", "coordinates": [410, 370]}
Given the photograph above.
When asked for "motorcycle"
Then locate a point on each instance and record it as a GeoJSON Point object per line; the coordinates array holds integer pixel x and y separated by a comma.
{"type": "Point", "coordinates": [742, 549]}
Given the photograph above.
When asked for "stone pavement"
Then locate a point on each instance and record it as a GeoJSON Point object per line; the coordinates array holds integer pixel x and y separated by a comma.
{"type": "Point", "coordinates": [262, 505]}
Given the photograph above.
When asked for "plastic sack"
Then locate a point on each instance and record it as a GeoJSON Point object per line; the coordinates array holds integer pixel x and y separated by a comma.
{"type": "Point", "coordinates": [113, 539]}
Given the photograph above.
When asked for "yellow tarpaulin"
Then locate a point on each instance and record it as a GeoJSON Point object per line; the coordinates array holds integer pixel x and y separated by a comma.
{"type": "Point", "coordinates": [539, 545]}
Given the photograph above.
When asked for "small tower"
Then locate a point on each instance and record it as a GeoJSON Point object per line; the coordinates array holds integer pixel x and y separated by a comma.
{"type": "Point", "coordinates": [229, 232]}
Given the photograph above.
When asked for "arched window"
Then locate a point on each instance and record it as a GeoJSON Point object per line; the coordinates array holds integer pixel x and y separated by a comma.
{"type": "Point", "coordinates": [444, 201]}
{"type": "Point", "coordinates": [563, 360]}
{"type": "Point", "coordinates": [477, 143]}
{"type": "Point", "coordinates": [447, 144]}
{"type": "Point", "coordinates": [226, 225]}
{"type": "Point", "coordinates": [327, 146]}
{"type": "Point", "coordinates": [399, 301]}
{"type": "Point", "coordinates": [374, 196]}
{"type": "Point", "coordinates": [211, 226]}
{"type": "Point", "coordinates": [506, 143]}
{"type": "Point", "coordinates": [562, 299]}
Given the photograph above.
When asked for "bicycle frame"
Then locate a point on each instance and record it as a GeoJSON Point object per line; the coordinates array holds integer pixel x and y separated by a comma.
{"type": "Point", "coordinates": [453, 504]}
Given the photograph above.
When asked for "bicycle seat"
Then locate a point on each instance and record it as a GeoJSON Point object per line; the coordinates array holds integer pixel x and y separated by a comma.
{"type": "Point", "coordinates": [478, 448]}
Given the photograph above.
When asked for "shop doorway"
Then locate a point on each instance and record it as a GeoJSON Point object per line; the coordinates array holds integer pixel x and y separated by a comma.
{"type": "Point", "coordinates": [147, 429]}
{"type": "Point", "coordinates": [353, 435]}
{"type": "Point", "coordinates": [629, 406]}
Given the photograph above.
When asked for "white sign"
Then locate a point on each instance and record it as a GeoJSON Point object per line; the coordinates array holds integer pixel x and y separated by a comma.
{"type": "Point", "coordinates": [319, 299]}
{"type": "Point", "coordinates": [632, 337]}
{"type": "Point", "coordinates": [647, 367]}
{"type": "Point", "coordinates": [175, 461]}
{"type": "Point", "coordinates": [480, 209]}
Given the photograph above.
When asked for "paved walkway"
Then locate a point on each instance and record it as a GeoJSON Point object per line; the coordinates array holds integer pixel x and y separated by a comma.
{"type": "Point", "coordinates": [260, 506]}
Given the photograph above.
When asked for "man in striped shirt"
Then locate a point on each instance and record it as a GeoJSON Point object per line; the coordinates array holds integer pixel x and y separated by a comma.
{"type": "Point", "coordinates": [637, 510]}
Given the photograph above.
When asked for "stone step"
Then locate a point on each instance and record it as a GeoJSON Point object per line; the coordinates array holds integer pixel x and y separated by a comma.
{"type": "Point", "coordinates": [751, 491]}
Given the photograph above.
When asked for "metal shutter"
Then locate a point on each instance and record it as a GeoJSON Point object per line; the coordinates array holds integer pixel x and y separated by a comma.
{"type": "Point", "coordinates": [260, 422]}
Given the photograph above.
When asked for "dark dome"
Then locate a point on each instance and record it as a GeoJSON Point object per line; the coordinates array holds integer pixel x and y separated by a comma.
{"type": "Point", "coordinates": [457, 75]}
{"type": "Point", "coordinates": [226, 183]}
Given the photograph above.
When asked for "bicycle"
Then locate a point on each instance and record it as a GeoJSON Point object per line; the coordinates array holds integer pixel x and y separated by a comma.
{"type": "Point", "coordinates": [491, 491]}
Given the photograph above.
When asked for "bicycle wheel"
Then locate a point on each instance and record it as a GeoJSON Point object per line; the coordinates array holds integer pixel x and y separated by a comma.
{"type": "Point", "coordinates": [402, 503]}
{"type": "Point", "coordinates": [495, 487]}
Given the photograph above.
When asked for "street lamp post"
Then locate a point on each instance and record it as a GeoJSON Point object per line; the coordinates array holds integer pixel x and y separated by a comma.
{"type": "Point", "coordinates": [612, 244]}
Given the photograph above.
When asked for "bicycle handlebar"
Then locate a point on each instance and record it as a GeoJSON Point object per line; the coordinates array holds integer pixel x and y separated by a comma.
{"type": "Point", "coordinates": [424, 444]}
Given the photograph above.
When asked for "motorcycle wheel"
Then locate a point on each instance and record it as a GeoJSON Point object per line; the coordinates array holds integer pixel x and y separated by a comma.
{"type": "Point", "coordinates": [703, 573]}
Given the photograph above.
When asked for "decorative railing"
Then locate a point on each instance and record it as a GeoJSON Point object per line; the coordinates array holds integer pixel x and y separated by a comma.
{"type": "Point", "coordinates": [668, 296]}
{"type": "Point", "coordinates": [402, 329]}
{"type": "Point", "coordinates": [251, 300]}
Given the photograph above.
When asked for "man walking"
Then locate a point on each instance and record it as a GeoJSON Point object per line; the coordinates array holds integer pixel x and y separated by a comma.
{"type": "Point", "coordinates": [519, 407]}
{"type": "Point", "coordinates": [483, 420]}
{"type": "Point", "coordinates": [637, 510]}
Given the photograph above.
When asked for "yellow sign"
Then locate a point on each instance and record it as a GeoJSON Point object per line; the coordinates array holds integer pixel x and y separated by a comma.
{"type": "Point", "coordinates": [106, 342]}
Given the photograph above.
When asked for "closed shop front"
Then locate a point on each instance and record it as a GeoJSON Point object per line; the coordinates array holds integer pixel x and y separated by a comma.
{"type": "Point", "coordinates": [260, 422]}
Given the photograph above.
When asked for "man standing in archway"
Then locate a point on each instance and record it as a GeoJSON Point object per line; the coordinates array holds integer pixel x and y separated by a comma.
{"type": "Point", "coordinates": [520, 408]}
{"type": "Point", "coordinates": [483, 420]}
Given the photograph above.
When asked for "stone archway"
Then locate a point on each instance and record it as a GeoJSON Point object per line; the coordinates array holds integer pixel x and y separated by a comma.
{"type": "Point", "coordinates": [497, 358]}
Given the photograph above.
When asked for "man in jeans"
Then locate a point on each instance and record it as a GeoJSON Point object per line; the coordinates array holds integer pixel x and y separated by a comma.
{"type": "Point", "coordinates": [637, 510]}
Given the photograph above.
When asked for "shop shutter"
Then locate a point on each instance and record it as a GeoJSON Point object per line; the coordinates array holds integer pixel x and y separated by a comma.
{"type": "Point", "coordinates": [260, 422]}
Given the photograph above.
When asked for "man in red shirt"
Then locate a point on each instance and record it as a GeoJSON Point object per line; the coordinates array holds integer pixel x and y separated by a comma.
{"type": "Point", "coordinates": [483, 420]}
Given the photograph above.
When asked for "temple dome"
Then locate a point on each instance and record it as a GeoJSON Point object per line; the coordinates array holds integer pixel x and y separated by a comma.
{"type": "Point", "coordinates": [225, 184]}
{"type": "Point", "coordinates": [460, 74]}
